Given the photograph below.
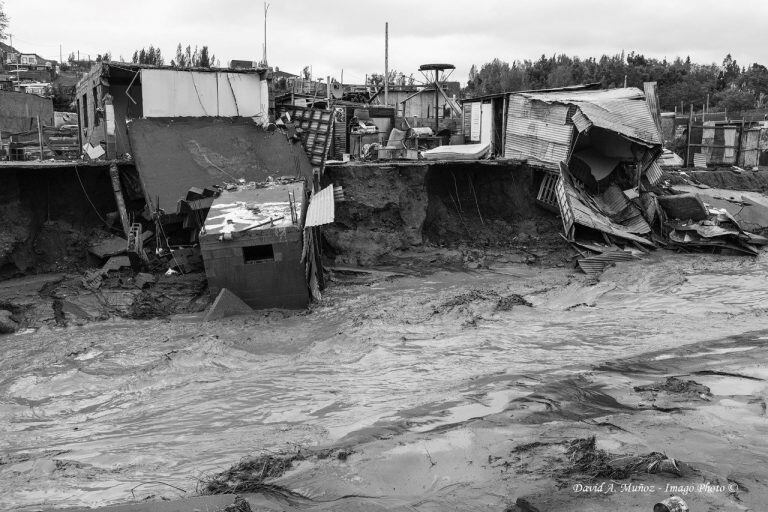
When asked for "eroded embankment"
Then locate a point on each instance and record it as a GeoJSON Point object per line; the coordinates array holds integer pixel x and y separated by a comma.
{"type": "Point", "coordinates": [393, 211]}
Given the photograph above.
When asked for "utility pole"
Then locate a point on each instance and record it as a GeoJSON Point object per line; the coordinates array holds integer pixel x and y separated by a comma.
{"type": "Point", "coordinates": [386, 63]}
{"type": "Point", "coordinates": [61, 56]}
{"type": "Point", "coordinates": [266, 8]}
{"type": "Point", "coordinates": [437, 101]}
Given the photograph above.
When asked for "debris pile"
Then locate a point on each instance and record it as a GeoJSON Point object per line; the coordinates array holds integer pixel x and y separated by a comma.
{"type": "Point", "coordinates": [586, 459]}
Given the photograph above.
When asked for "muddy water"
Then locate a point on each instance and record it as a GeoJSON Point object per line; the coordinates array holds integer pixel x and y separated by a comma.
{"type": "Point", "coordinates": [89, 414]}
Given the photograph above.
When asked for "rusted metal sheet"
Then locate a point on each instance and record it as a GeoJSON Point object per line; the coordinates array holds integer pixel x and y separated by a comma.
{"type": "Point", "coordinates": [581, 122]}
{"type": "Point", "coordinates": [321, 208]}
{"type": "Point", "coordinates": [576, 210]}
{"type": "Point", "coordinates": [623, 111]}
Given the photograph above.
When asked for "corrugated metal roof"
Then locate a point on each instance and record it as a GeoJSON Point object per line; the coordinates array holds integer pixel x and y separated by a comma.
{"type": "Point", "coordinates": [594, 265]}
{"type": "Point", "coordinates": [321, 208]}
{"type": "Point", "coordinates": [623, 110]}
{"type": "Point", "coordinates": [583, 87]}
{"type": "Point", "coordinates": [522, 107]}
{"type": "Point", "coordinates": [581, 122]}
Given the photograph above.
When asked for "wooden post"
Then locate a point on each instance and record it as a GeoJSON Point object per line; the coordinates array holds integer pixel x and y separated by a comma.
{"type": "Point", "coordinates": [688, 141]}
{"type": "Point", "coordinates": [739, 147]}
{"type": "Point", "coordinates": [40, 137]}
{"type": "Point", "coordinates": [118, 190]}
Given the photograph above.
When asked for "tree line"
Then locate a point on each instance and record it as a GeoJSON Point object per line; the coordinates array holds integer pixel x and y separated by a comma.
{"type": "Point", "coordinates": [680, 81]}
{"type": "Point", "coordinates": [185, 57]}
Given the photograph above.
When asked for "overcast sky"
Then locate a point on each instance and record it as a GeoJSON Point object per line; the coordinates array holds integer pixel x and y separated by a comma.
{"type": "Point", "coordinates": [332, 35]}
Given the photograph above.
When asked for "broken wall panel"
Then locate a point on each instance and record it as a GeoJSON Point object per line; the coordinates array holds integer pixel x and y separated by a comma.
{"type": "Point", "coordinates": [19, 112]}
{"type": "Point", "coordinates": [183, 93]}
{"type": "Point", "coordinates": [173, 155]}
{"type": "Point", "coordinates": [576, 210]}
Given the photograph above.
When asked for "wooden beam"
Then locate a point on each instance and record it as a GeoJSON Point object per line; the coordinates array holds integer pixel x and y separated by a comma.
{"type": "Point", "coordinates": [117, 188]}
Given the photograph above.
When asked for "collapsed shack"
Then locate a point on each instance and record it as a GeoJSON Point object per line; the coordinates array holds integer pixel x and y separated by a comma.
{"type": "Point", "coordinates": [600, 150]}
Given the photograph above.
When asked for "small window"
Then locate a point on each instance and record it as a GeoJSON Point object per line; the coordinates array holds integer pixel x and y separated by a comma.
{"type": "Point", "coordinates": [96, 107]}
{"type": "Point", "coordinates": [84, 111]}
{"type": "Point", "coordinates": [258, 253]}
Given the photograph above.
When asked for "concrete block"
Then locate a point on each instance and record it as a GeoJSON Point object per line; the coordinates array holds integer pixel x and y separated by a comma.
{"type": "Point", "coordinates": [109, 247]}
{"type": "Point", "coordinates": [227, 304]}
{"type": "Point", "coordinates": [116, 263]}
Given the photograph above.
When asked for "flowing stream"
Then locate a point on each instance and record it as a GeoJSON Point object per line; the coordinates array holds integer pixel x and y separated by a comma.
{"type": "Point", "coordinates": [88, 414]}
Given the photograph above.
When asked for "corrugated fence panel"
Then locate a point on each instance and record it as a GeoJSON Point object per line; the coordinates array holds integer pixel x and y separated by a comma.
{"type": "Point", "coordinates": [652, 98]}
{"type": "Point", "coordinates": [474, 126]}
{"type": "Point", "coordinates": [321, 208]}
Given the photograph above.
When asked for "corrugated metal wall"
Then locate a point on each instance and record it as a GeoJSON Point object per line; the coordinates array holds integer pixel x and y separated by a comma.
{"type": "Point", "coordinates": [537, 131]}
{"type": "Point", "coordinates": [467, 121]}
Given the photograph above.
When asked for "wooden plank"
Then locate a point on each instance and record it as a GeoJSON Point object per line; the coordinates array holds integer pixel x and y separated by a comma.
{"type": "Point", "coordinates": [117, 188]}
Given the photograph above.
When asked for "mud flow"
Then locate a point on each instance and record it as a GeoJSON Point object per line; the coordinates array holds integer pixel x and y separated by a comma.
{"type": "Point", "coordinates": [101, 413]}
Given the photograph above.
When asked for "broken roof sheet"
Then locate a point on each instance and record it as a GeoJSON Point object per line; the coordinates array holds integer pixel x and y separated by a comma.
{"type": "Point", "coordinates": [623, 111]}
{"type": "Point", "coordinates": [322, 208]}
{"type": "Point", "coordinates": [173, 155]}
{"type": "Point", "coordinates": [249, 208]}
{"type": "Point", "coordinates": [576, 208]}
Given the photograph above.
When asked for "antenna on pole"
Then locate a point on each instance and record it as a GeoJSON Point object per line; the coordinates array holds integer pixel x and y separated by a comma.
{"type": "Point", "coordinates": [266, 8]}
{"type": "Point", "coordinates": [386, 63]}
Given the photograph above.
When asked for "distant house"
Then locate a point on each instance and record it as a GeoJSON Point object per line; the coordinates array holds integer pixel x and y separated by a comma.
{"type": "Point", "coordinates": [114, 93]}
{"type": "Point", "coordinates": [33, 62]}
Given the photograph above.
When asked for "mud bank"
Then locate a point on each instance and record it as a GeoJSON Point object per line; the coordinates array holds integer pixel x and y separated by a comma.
{"type": "Point", "coordinates": [395, 213]}
{"type": "Point", "coordinates": [65, 300]}
{"type": "Point", "coordinates": [48, 216]}
{"type": "Point", "coordinates": [752, 181]}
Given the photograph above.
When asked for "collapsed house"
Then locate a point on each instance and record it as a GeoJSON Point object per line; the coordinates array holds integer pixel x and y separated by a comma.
{"type": "Point", "coordinates": [252, 245]}
{"type": "Point", "coordinates": [203, 148]}
{"type": "Point", "coordinates": [113, 93]}
{"type": "Point", "coordinates": [598, 151]}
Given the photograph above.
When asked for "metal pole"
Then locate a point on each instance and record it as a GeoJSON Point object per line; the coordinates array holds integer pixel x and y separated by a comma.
{"type": "Point", "coordinates": [437, 102]}
{"type": "Point", "coordinates": [266, 8]}
{"type": "Point", "coordinates": [386, 63]}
